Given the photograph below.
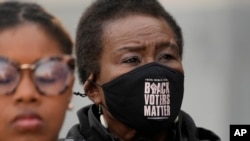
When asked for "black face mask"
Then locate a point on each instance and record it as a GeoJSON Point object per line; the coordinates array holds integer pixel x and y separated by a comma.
{"type": "Point", "coordinates": [147, 99]}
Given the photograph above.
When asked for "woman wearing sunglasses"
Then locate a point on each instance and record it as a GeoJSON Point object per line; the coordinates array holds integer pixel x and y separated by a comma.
{"type": "Point", "coordinates": [36, 73]}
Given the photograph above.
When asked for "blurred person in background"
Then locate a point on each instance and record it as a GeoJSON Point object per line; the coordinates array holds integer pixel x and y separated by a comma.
{"type": "Point", "coordinates": [129, 58]}
{"type": "Point", "coordinates": [36, 73]}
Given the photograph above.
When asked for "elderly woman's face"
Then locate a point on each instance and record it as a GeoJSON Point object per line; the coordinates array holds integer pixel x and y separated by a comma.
{"type": "Point", "coordinates": [25, 113]}
{"type": "Point", "coordinates": [134, 41]}
{"type": "Point", "coordinates": [129, 43]}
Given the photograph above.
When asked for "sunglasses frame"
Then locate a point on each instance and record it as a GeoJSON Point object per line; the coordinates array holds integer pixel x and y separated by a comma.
{"type": "Point", "coordinates": [67, 59]}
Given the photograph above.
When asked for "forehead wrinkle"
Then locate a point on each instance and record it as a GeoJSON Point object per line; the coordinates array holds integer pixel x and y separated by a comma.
{"type": "Point", "coordinates": [146, 32]}
{"type": "Point", "coordinates": [168, 44]}
{"type": "Point", "coordinates": [139, 41]}
{"type": "Point", "coordinates": [139, 31]}
{"type": "Point", "coordinates": [139, 34]}
{"type": "Point", "coordinates": [131, 48]}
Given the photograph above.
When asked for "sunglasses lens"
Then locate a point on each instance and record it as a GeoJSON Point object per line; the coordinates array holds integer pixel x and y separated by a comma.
{"type": "Point", "coordinates": [9, 77]}
{"type": "Point", "coordinates": [52, 77]}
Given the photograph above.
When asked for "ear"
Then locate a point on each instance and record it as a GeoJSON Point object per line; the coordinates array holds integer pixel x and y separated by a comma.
{"type": "Point", "coordinates": [92, 90]}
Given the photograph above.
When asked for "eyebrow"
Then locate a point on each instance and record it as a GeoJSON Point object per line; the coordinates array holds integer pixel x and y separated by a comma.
{"type": "Point", "coordinates": [170, 45]}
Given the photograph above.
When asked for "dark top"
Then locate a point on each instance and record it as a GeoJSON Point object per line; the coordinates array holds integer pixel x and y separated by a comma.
{"type": "Point", "coordinates": [90, 128]}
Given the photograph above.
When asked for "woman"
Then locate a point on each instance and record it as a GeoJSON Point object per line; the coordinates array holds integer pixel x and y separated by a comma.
{"type": "Point", "coordinates": [36, 73]}
{"type": "Point", "coordinates": [129, 56]}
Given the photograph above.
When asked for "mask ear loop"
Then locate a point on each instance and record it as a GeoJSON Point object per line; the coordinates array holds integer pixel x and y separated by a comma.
{"type": "Point", "coordinates": [84, 94]}
{"type": "Point", "coordinates": [80, 94]}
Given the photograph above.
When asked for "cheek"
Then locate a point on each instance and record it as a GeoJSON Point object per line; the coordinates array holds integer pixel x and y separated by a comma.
{"type": "Point", "coordinates": [177, 66]}
{"type": "Point", "coordinates": [55, 107]}
{"type": "Point", "coordinates": [110, 72]}
{"type": "Point", "coordinates": [109, 69]}
{"type": "Point", "coordinates": [180, 68]}
{"type": "Point", "coordinates": [54, 111]}
{"type": "Point", "coordinates": [106, 74]}
{"type": "Point", "coordinates": [7, 111]}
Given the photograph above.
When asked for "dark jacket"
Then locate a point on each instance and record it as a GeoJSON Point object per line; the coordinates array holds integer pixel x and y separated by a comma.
{"type": "Point", "coordinates": [90, 128]}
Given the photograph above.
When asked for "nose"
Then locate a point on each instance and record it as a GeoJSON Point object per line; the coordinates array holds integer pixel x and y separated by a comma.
{"type": "Point", "coordinates": [26, 91]}
{"type": "Point", "coordinates": [149, 59]}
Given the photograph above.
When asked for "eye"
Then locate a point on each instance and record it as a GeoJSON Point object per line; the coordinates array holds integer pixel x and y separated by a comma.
{"type": "Point", "coordinates": [4, 81]}
{"type": "Point", "coordinates": [44, 80]}
{"type": "Point", "coordinates": [166, 57]}
{"type": "Point", "coordinates": [131, 60]}
{"type": "Point", "coordinates": [7, 77]}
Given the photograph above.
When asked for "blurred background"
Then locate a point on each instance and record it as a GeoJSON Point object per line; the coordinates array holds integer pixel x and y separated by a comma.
{"type": "Point", "coordinates": [216, 58]}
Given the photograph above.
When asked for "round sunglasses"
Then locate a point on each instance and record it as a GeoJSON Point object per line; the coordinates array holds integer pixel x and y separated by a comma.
{"type": "Point", "coordinates": [51, 75]}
